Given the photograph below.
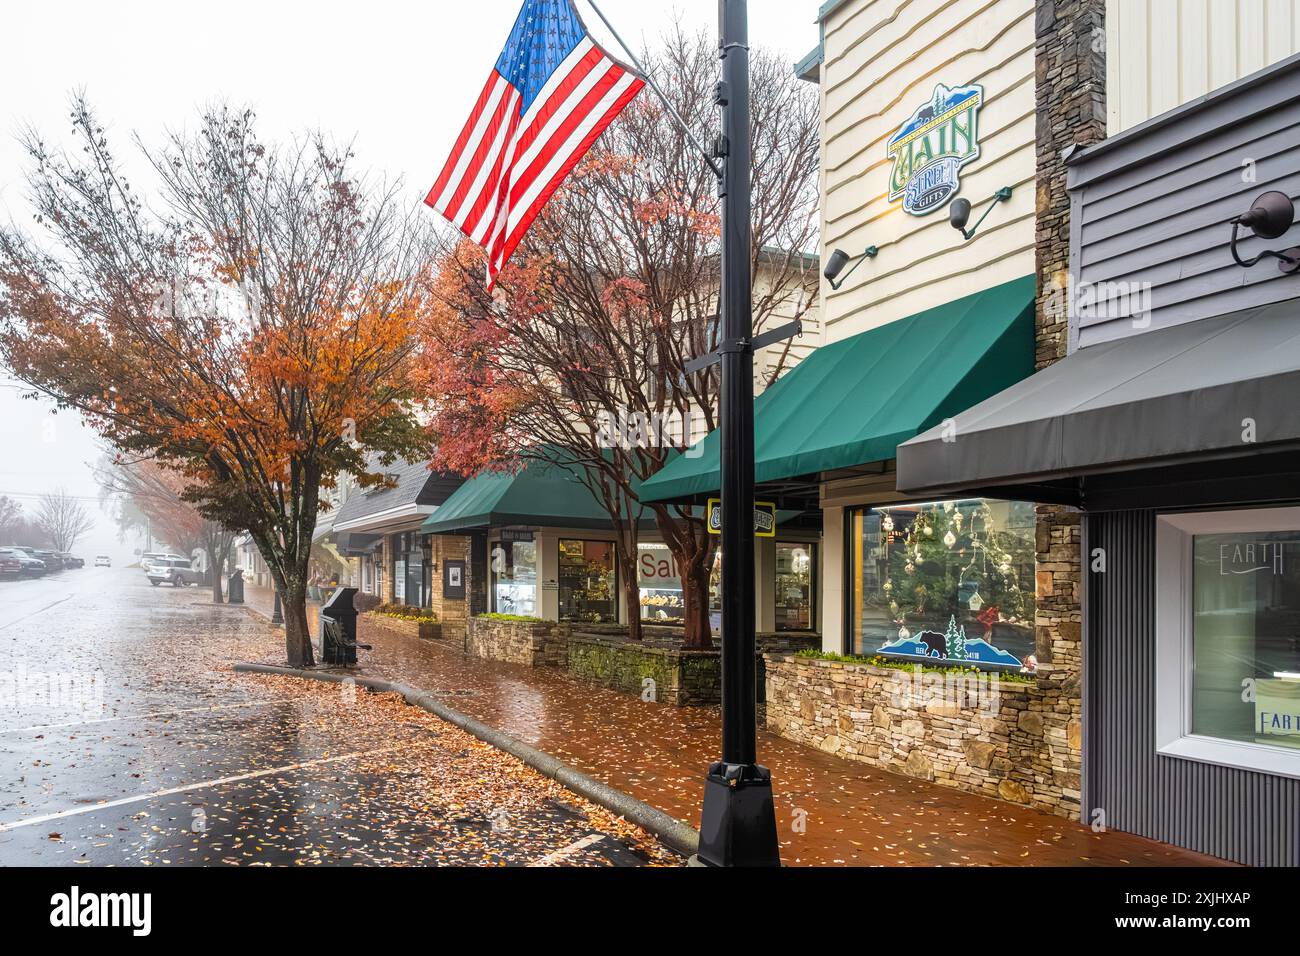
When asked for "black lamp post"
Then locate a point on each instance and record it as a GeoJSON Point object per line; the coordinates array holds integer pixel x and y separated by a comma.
{"type": "Point", "coordinates": [277, 612]}
{"type": "Point", "coordinates": [738, 823]}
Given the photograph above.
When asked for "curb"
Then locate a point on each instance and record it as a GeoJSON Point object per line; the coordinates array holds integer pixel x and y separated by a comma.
{"type": "Point", "coordinates": [672, 833]}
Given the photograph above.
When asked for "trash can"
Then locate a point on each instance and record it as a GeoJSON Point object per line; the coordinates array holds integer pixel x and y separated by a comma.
{"type": "Point", "coordinates": [338, 630]}
{"type": "Point", "coordinates": [235, 587]}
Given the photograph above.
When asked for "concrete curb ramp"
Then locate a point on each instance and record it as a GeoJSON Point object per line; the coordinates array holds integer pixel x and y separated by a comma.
{"type": "Point", "coordinates": [672, 833]}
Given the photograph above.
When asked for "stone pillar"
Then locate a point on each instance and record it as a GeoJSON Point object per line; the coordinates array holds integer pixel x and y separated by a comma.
{"type": "Point", "coordinates": [1070, 89]}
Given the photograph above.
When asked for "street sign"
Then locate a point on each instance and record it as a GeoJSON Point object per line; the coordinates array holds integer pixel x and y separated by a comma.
{"type": "Point", "coordinates": [764, 518]}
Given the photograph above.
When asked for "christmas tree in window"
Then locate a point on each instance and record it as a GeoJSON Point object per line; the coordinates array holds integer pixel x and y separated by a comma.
{"type": "Point", "coordinates": [955, 641]}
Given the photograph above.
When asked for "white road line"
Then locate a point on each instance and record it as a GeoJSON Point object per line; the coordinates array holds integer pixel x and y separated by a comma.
{"type": "Point", "coordinates": [202, 785]}
{"type": "Point", "coordinates": [563, 853]}
{"type": "Point", "coordinates": [150, 716]}
{"type": "Point", "coordinates": [34, 613]}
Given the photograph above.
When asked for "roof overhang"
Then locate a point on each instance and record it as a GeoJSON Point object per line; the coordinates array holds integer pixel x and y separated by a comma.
{"type": "Point", "coordinates": [1203, 395]}
{"type": "Point", "coordinates": [402, 518]}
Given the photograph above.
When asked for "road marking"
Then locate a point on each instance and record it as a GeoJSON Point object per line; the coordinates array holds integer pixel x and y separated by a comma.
{"type": "Point", "coordinates": [157, 713]}
{"type": "Point", "coordinates": [34, 613]}
{"type": "Point", "coordinates": [202, 785]}
{"type": "Point", "coordinates": [562, 854]}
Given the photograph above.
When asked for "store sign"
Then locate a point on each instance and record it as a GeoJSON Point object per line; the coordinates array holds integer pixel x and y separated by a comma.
{"type": "Point", "coordinates": [930, 149]}
{"type": "Point", "coordinates": [1277, 708]}
{"type": "Point", "coordinates": [510, 534]}
{"type": "Point", "coordinates": [764, 518]}
{"type": "Point", "coordinates": [1251, 557]}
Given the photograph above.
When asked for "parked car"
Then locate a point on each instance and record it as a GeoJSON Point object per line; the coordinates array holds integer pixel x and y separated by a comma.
{"type": "Point", "coordinates": [178, 572]}
{"type": "Point", "coordinates": [102, 561]}
{"type": "Point", "coordinates": [51, 558]}
{"type": "Point", "coordinates": [71, 560]}
{"type": "Point", "coordinates": [150, 557]}
{"type": "Point", "coordinates": [29, 566]}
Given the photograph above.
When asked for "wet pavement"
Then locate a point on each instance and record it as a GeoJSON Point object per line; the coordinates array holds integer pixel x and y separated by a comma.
{"type": "Point", "coordinates": [829, 811]}
{"type": "Point", "coordinates": [125, 739]}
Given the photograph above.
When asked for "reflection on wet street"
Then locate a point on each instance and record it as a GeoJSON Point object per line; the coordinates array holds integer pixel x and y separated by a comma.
{"type": "Point", "coordinates": [125, 738]}
{"type": "Point", "coordinates": [829, 811]}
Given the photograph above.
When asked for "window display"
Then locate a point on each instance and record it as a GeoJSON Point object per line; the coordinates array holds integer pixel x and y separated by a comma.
{"type": "Point", "coordinates": [514, 577]}
{"type": "Point", "coordinates": [795, 586]}
{"type": "Point", "coordinates": [951, 580]}
{"type": "Point", "coordinates": [1246, 637]}
{"type": "Point", "coordinates": [586, 581]}
{"type": "Point", "coordinates": [660, 584]}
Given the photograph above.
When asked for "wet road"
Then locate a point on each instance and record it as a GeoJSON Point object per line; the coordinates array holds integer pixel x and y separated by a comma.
{"type": "Point", "coordinates": [126, 739]}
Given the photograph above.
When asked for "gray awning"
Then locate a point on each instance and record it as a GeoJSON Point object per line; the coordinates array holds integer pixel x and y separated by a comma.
{"type": "Point", "coordinates": [354, 544]}
{"type": "Point", "coordinates": [1157, 398]}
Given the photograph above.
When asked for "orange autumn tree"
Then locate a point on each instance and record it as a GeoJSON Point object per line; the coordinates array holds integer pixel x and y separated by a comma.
{"type": "Point", "coordinates": [249, 327]}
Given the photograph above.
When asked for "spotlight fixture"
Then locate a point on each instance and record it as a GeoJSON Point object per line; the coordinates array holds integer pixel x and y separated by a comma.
{"type": "Point", "coordinates": [839, 259]}
{"type": "Point", "coordinates": [1269, 216]}
{"type": "Point", "coordinates": [959, 212]}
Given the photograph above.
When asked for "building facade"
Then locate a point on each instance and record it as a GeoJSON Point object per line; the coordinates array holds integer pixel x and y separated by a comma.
{"type": "Point", "coordinates": [1170, 427]}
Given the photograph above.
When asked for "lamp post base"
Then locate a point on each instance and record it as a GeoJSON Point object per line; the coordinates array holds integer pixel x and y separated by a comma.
{"type": "Point", "coordinates": [738, 823]}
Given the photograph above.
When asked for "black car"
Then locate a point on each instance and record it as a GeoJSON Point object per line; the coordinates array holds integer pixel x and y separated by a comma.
{"type": "Point", "coordinates": [27, 565]}
{"type": "Point", "coordinates": [51, 558]}
{"type": "Point", "coordinates": [71, 560]}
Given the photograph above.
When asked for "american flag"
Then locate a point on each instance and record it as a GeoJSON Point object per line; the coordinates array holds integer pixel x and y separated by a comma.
{"type": "Point", "coordinates": [553, 91]}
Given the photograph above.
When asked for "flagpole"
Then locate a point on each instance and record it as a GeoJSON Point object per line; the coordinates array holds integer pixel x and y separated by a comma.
{"type": "Point", "coordinates": [738, 820]}
{"type": "Point", "coordinates": [641, 71]}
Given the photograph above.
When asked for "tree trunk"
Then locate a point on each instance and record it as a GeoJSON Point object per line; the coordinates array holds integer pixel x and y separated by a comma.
{"type": "Point", "coordinates": [297, 633]}
{"type": "Point", "coordinates": [216, 564]}
{"type": "Point", "coordinates": [631, 593]}
{"type": "Point", "coordinates": [695, 596]}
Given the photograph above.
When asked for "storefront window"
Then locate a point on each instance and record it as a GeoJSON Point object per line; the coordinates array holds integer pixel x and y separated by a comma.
{"type": "Point", "coordinates": [514, 577]}
{"type": "Point", "coordinates": [951, 580]}
{"type": "Point", "coordinates": [586, 580]}
{"type": "Point", "coordinates": [660, 584]}
{"type": "Point", "coordinates": [1246, 637]}
{"type": "Point", "coordinates": [795, 586]}
{"type": "Point", "coordinates": [411, 569]}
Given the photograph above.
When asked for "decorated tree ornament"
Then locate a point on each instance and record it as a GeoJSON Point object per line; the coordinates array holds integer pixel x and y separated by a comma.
{"type": "Point", "coordinates": [950, 539]}
{"type": "Point", "coordinates": [929, 532]}
{"type": "Point", "coordinates": [949, 505]}
{"type": "Point", "coordinates": [976, 602]}
{"type": "Point", "coordinates": [910, 568]}
{"type": "Point", "coordinates": [887, 523]}
{"type": "Point", "coordinates": [904, 633]}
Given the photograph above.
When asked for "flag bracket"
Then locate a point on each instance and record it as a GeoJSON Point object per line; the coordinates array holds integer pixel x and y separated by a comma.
{"type": "Point", "coordinates": [672, 111]}
{"type": "Point", "coordinates": [778, 334]}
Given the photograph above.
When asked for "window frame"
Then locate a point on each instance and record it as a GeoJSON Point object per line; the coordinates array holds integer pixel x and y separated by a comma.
{"type": "Point", "coordinates": [1175, 637]}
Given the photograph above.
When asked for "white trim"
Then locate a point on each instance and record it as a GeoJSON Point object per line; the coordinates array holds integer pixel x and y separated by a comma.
{"type": "Point", "coordinates": [381, 518]}
{"type": "Point", "coordinates": [1174, 645]}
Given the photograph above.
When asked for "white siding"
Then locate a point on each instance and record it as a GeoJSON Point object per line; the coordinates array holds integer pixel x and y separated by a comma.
{"type": "Point", "coordinates": [883, 59]}
{"type": "Point", "coordinates": [1161, 54]}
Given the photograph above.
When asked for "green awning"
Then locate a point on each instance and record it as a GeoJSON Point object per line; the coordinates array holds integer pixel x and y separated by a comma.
{"type": "Point", "coordinates": [853, 402]}
{"type": "Point", "coordinates": [543, 494]}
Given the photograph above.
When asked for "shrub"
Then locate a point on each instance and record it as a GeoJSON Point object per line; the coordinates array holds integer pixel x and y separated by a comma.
{"type": "Point", "coordinates": [524, 618]}
{"type": "Point", "coordinates": [405, 612]}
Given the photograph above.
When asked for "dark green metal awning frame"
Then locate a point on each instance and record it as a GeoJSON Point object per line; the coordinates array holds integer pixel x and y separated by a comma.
{"type": "Point", "coordinates": [852, 403]}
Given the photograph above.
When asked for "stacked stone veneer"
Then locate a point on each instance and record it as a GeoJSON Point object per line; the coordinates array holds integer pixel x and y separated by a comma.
{"type": "Point", "coordinates": [667, 675]}
{"type": "Point", "coordinates": [996, 738]}
{"type": "Point", "coordinates": [533, 644]}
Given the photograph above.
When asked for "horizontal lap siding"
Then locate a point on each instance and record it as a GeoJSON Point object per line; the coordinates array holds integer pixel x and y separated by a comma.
{"type": "Point", "coordinates": [1154, 212]}
{"type": "Point", "coordinates": [883, 59]}
{"type": "Point", "coordinates": [1233, 814]}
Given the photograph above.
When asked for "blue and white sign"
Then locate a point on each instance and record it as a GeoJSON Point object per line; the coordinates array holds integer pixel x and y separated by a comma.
{"type": "Point", "coordinates": [930, 149]}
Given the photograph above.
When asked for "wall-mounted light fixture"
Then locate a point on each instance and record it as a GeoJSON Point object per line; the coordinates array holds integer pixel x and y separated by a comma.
{"type": "Point", "coordinates": [959, 212]}
{"type": "Point", "coordinates": [1269, 216]}
{"type": "Point", "coordinates": [839, 259]}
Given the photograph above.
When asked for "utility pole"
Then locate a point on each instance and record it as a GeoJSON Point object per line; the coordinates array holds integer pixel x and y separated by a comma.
{"type": "Point", "coordinates": [738, 823]}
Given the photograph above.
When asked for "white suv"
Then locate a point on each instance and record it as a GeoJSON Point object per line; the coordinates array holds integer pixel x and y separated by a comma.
{"type": "Point", "coordinates": [177, 572]}
{"type": "Point", "coordinates": [102, 561]}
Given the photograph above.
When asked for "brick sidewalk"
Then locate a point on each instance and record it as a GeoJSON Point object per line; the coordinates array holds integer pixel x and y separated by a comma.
{"type": "Point", "coordinates": [855, 814]}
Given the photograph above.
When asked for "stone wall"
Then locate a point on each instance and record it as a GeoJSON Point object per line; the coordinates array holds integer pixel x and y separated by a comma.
{"type": "Point", "coordinates": [450, 611]}
{"type": "Point", "coordinates": [532, 644]}
{"type": "Point", "coordinates": [429, 630]}
{"type": "Point", "coordinates": [682, 678]}
{"type": "Point", "coordinates": [992, 738]}
{"type": "Point", "coordinates": [1070, 91]}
